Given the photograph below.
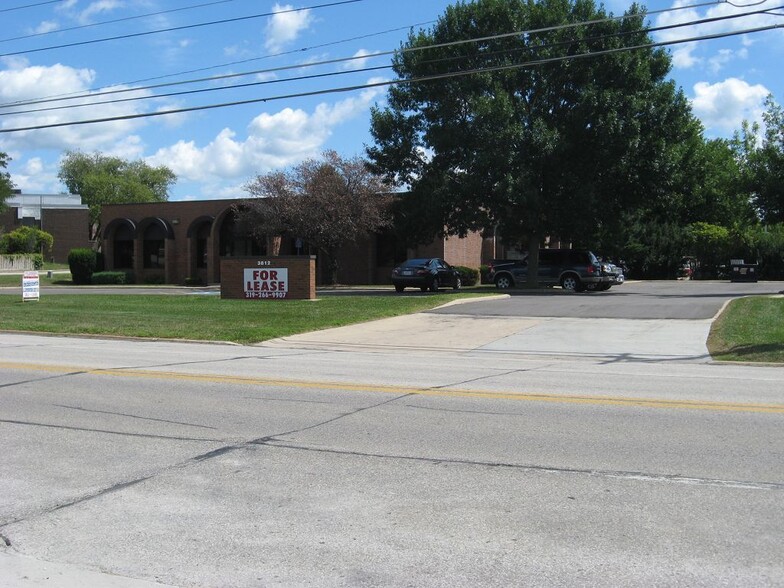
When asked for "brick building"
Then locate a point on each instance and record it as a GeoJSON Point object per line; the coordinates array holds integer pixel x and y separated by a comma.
{"type": "Point", "coordinates": [172, 242]}
{"type": "Point", "coordinates": [61, 215]}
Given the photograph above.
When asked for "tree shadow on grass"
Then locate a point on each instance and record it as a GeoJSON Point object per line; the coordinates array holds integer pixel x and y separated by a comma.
{"type": "Point", "coordinates": [770, 352]}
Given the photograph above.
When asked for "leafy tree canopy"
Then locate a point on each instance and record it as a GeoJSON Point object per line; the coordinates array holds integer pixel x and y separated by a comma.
{"type": "Point", "coordinates": [329, 202]}
{"type": "Point", "coordinates": [533, 141]}
{"type": "Point", "coordinates": [6, 186]}
{"type": "Point", "coordinates": [101, 179]}
{"type": "Point", "coordinates": [761, 158]}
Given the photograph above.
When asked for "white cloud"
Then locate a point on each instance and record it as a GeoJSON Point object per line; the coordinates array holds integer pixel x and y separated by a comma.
{"type": "Point", "coordinates": [683, 58]}
{"type": "Point", "coordinates": [683, 55]}
{"type": "Point", "coordinates": [360, 60]}
{"type": "Point", "coordinates": [725, 105]}
{"type": "Point", "coordinates": [46, 26]}
{"type": "Point", "coordinates": [97, 8]}
{"type": "Point", "coordinates": [285, 26]}
{"type": "Point", "coordinates": [273, 141]}
{"type": "Point", "coordinates": [22, 83]}
{"type": "Point", "coordinates": [725, 56]}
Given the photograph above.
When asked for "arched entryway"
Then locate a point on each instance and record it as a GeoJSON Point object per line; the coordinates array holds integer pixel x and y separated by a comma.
{"type": "Point", "coordinates": [154, 245]}
{"type": "Point", "coordinates": [199, 240]}
{"type": "Point", "coordinates": [118, 244]}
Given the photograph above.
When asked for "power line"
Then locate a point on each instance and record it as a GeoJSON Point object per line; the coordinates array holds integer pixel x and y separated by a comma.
{"type": "Point", "coordinates": [104, 90]}
{"type": "Point", "coordinates": [179, 28]}
{"type": "Point", "coordinates": [87, 93]}
{"type": "Point", "coordinates": [422, 79]}
{"type": "Point", "coordinates": [348, 59]}
{"type": "Point", "coordinates": [115, 21]}
{"type": "Point", "coordinates": [14, 8]}
{"type": "Point", "coordinates": [545, 29]}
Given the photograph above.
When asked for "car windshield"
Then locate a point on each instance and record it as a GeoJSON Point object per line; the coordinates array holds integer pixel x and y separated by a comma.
{"type": "Point", "coordinates": [414, 262]}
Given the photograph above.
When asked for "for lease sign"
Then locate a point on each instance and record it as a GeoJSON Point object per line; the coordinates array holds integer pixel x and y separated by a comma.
{"type": "Point", "coordinates": [31, 285]}
{"type": "Point", "coordinates": [267, 282]}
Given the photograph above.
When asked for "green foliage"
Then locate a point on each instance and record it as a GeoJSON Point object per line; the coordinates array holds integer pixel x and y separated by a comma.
{"type": "Point", "coordinates": [118, 278]}
{"type": "Point", "coordinates": [761, 159]}
{"type": "Point", "coordinates": [484, 274]}
{"type": "Point", "coordinates": [565, 147]}
{"type": "Point", "coordinates": [25, 240]}
{"type": "Point", "coordinates": [769, 246]}
{"type": "Point", "coordinates": [101, 179]}
{"type": "Point", "coordinates": [711, 244]}
{"type": "Point", "coordinates": [468, 275]}
{"type": "Point", "coordinates": [195, 282]}
{"type": "Point", "coordinates": [38, 261]}
{"type": "Point", "coordinates": [6, 186]}
{"type": "Point", "coordinates": [82, 263]}
{"type": "Point", "coordinates": [155, 279]}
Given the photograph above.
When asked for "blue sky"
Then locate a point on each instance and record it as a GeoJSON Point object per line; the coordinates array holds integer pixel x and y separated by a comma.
{"type": "Point", "coordinates": [47, 49]}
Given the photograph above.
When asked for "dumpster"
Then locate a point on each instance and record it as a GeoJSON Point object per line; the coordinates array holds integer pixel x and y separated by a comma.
{"type": "Point", "coordinates": [743, 272]}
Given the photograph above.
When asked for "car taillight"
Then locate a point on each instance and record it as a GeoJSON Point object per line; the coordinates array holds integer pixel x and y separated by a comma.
{"type": "Point", "coordinates": [591, 269]}
{"type": "Point", "coordinates": [421, 272]}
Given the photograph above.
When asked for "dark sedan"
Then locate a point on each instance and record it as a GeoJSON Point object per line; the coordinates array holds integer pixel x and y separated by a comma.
{"type": "Point", "coordinates": [426, 274]}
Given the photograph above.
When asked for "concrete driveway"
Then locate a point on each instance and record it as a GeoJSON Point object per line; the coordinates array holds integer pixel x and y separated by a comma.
{"type": "Point", "coordinates": [639, 321]}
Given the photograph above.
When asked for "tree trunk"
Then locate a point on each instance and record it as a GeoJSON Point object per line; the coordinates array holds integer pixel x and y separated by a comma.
{"type": "Point", "coordinates": [532, 279]}
{"type": "Point", "coordinates": [273, 245]}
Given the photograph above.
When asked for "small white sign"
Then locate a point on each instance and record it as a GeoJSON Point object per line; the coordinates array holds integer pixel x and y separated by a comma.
{"type": "Point", "coordinates": [31, 286]}
{"type": "Point", "coordinates": [269, 282]}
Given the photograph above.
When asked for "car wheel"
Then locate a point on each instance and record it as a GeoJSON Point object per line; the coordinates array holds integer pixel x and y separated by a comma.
{"type": "Point", "coordinates": [503, 282]}
{"type": "Point", "coordinates": [434, 285]}
{"type": "Point", "coordinates": [571, 283]}
{"type": "Point", "coordinates": [399, 288]}
{"type": "Point", "coordinates": [604, 287]}
{"type": "Point", "coordinates": [458, 283]}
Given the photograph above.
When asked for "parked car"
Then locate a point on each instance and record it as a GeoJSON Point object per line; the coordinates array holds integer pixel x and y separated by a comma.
{"type": "Point", "coordinates": [612, 271]}
{"type": "Point", "coordinates": [426, 274]}
{"type": "Point", "coordinates": [573, 269]}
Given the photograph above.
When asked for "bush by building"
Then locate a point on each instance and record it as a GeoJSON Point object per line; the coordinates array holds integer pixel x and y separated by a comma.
{"type": "Point", "coordinates": [82, 263]}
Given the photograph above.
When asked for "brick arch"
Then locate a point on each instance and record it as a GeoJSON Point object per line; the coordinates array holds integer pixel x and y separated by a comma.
{"type": "Point", "coordinates": [118, 238]}
{"type": "Point", "coordinates": [199, 246]}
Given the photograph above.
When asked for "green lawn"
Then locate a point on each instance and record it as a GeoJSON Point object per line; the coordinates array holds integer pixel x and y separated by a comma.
{"type": "Point", "coordinates": [16, 279]}
{"type": "Point", "coordinates": [749, 329]}
{"type": "Point", "coordinates": [203, 317]}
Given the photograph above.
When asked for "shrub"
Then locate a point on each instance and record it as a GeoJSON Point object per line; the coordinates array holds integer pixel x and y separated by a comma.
{"type": "Point", "coordinates": [82, 263]}
{"type": "Point", "coordinates": [38, 261]}
{"type": "Point", "coordinates": [25, 240]}
{"type": "Point", "coordinates": [484, 274]}
{"type": "Point", "coordinates": [195, 282]}
{"type": "Point", "coordinates": [117, 278]}
{"type": "Point", "coordinates": [468, 275]}
{"type": "Point", "coordinates": [155, 279]}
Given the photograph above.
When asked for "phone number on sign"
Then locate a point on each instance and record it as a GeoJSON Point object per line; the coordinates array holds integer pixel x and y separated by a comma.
{"type": "Point", "coordinates": [265, 294]}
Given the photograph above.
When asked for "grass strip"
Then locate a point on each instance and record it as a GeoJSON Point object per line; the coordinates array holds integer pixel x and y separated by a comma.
{"type": "Point", "coordinates": [749, 329]}
{"type": "Point", "coordinates": [202, 317]}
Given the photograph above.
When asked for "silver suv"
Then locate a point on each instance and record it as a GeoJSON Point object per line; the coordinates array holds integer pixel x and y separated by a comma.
{"type": "Point", "coordinates": [573, 269]}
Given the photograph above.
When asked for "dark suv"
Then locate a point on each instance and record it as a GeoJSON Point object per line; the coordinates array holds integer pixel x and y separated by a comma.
{"type": "Point", "coordinates": [572, 269]}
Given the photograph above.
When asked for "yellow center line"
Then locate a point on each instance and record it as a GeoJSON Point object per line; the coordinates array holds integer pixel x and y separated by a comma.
{"type": "Point", "coordinates": [384, 389]}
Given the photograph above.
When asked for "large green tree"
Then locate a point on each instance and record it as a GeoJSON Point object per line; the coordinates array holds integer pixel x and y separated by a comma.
{"type": "Point", "coordinates": [533, 138]}
{"type": "Point", "coordinates": [761, 157]}
{"type": "Point", "coordinates": [6, 186]}
{"type": "Point", "coordinates": [101, 179]}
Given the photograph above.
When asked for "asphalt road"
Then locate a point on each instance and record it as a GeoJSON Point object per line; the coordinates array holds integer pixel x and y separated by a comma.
{"type": "Point", "coordinates": [294, 464]}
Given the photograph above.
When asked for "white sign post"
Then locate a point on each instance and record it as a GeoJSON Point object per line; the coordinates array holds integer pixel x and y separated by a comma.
{"type": "Point", "coordinates": [31, 286]}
